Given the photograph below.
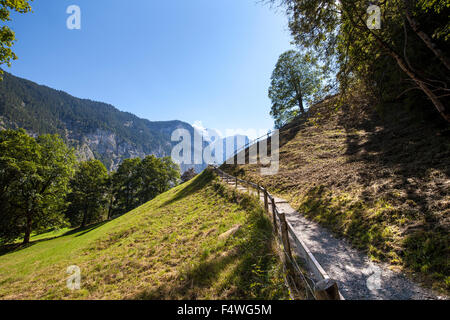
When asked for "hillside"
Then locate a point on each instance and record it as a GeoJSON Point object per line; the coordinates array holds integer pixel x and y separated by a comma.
{"type": "Point", "coordinates": [95, 129]}
{"type": "Point", "coordinates": [168, 248]}
{"type": "Point", "coordinates": [381, 182]}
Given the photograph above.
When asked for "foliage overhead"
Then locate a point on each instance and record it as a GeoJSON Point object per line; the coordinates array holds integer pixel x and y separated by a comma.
{"type": "Point", "coordinates": [405, 60]}
{"type": "Point", "coordinates": [88, 196]}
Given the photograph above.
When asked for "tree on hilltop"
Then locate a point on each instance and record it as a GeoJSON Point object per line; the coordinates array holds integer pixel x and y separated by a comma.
{"type": "Point", "coordinates": [295, 82]}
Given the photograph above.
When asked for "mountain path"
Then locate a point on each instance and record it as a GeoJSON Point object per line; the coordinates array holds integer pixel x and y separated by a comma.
{"type": "Point", "coordinates": [357, 276]}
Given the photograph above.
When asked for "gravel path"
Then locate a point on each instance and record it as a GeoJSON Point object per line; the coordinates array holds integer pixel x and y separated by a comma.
{"type": "Point", "coordinates": [358, 278]}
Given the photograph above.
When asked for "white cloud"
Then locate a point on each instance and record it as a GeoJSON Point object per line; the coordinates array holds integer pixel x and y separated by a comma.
{"type": "Point", "coordinates": [209, 135]}
{"type": "Point", "coordinates": [198, 125]}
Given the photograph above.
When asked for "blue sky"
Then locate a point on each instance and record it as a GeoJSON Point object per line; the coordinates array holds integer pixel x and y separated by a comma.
{"type": "Point", "coordinates": [196, 60]}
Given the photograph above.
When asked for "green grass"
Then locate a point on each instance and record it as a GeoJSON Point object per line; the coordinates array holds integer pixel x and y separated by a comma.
{"type": "Point", "coordinates": [165, 249]}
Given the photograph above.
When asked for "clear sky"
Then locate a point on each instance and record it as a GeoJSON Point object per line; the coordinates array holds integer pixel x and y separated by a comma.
{"type": "Point", "coordinates": [191, 60]}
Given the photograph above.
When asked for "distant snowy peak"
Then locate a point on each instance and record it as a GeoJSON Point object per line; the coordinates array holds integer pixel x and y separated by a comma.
{"type": "Point", "coordinates": [216, 139]}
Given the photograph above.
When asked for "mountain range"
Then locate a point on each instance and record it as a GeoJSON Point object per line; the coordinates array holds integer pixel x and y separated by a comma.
{"type": "Point", "coordinates": [95, 129]}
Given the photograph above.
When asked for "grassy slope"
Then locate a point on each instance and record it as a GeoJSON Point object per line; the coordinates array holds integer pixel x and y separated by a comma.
{"type": "Point", "coordinates": [383, 184]}
{"type": "Point", "coordinates": [166, 249]}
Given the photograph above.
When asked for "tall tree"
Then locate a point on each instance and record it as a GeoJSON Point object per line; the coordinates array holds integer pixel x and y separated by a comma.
{"type": "Point", "coordinates": [7, 36]}
{"type": "Point", "coordinates": [149, 172]}
{"type": "Point", "coordinates": [37, 172]}
{"type": "Point", "coordinates": [88, 196]}
{"type": "Point", "coordinates": [17, 154]}
{"type": "Point", "coordinates": [295, 81]}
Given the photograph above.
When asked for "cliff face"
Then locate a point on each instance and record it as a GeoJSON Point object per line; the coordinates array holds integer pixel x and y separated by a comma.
{"type": "Point", "coordinates": [106, 146]}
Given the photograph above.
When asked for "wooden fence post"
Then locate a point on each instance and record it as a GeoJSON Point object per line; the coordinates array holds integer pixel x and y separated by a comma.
{"type": "Point", "coordinates": [327, 289]}
{"type": "Point", "coordinates": [274, 215]}
{"type": "Point", "coordinates": [259, 192]}
{"type": "Point", "coordinates": [285, 235]}
{"type": "Point", "coordinates": [236, 183]}
{"type": "Point", "coordinates": [266, 203]}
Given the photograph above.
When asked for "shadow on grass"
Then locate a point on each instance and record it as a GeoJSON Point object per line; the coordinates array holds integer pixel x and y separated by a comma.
{"type": "Point", "coordinates": [401, 162]}
{"type": "Point", "coordinates": [403, 147]}
{"type": "Point", "coordinates": [190, 284]}
{"type": "Point", "coordinates": [86, 229]}
{"type": "Point", "coordinates": [13, 247]}
{"type": "Point", "coordinates": [10, 248]}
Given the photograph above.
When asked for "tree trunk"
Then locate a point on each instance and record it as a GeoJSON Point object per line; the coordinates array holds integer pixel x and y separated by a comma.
{"type": "Point", "coordinates": [127, 204]}
{"type": "Point", "coordinates": [430, 94]}
{"type": "Point", "coordinates": [110, 207]}
{"type": "Point", "coordinates": [300, 104]}
{"type": "Point", "coordinates": [298, 91]}
{"type": "Point", "coordinates": [83, 223]}
{"type": "Point", "coordinates": [26, 238]}
{"type": "Point", "coordinates": [404, 66]}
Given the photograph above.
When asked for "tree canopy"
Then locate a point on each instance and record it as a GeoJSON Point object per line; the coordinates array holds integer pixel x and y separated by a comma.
{"type": "Point", "coordinates": [43, 187]}
{"type": "Point", "coordinates": [139, 180]}
{"type": "Point", "coordinates": [35, 175]}
{"type": "Point", "coordinates": [295, 82]}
